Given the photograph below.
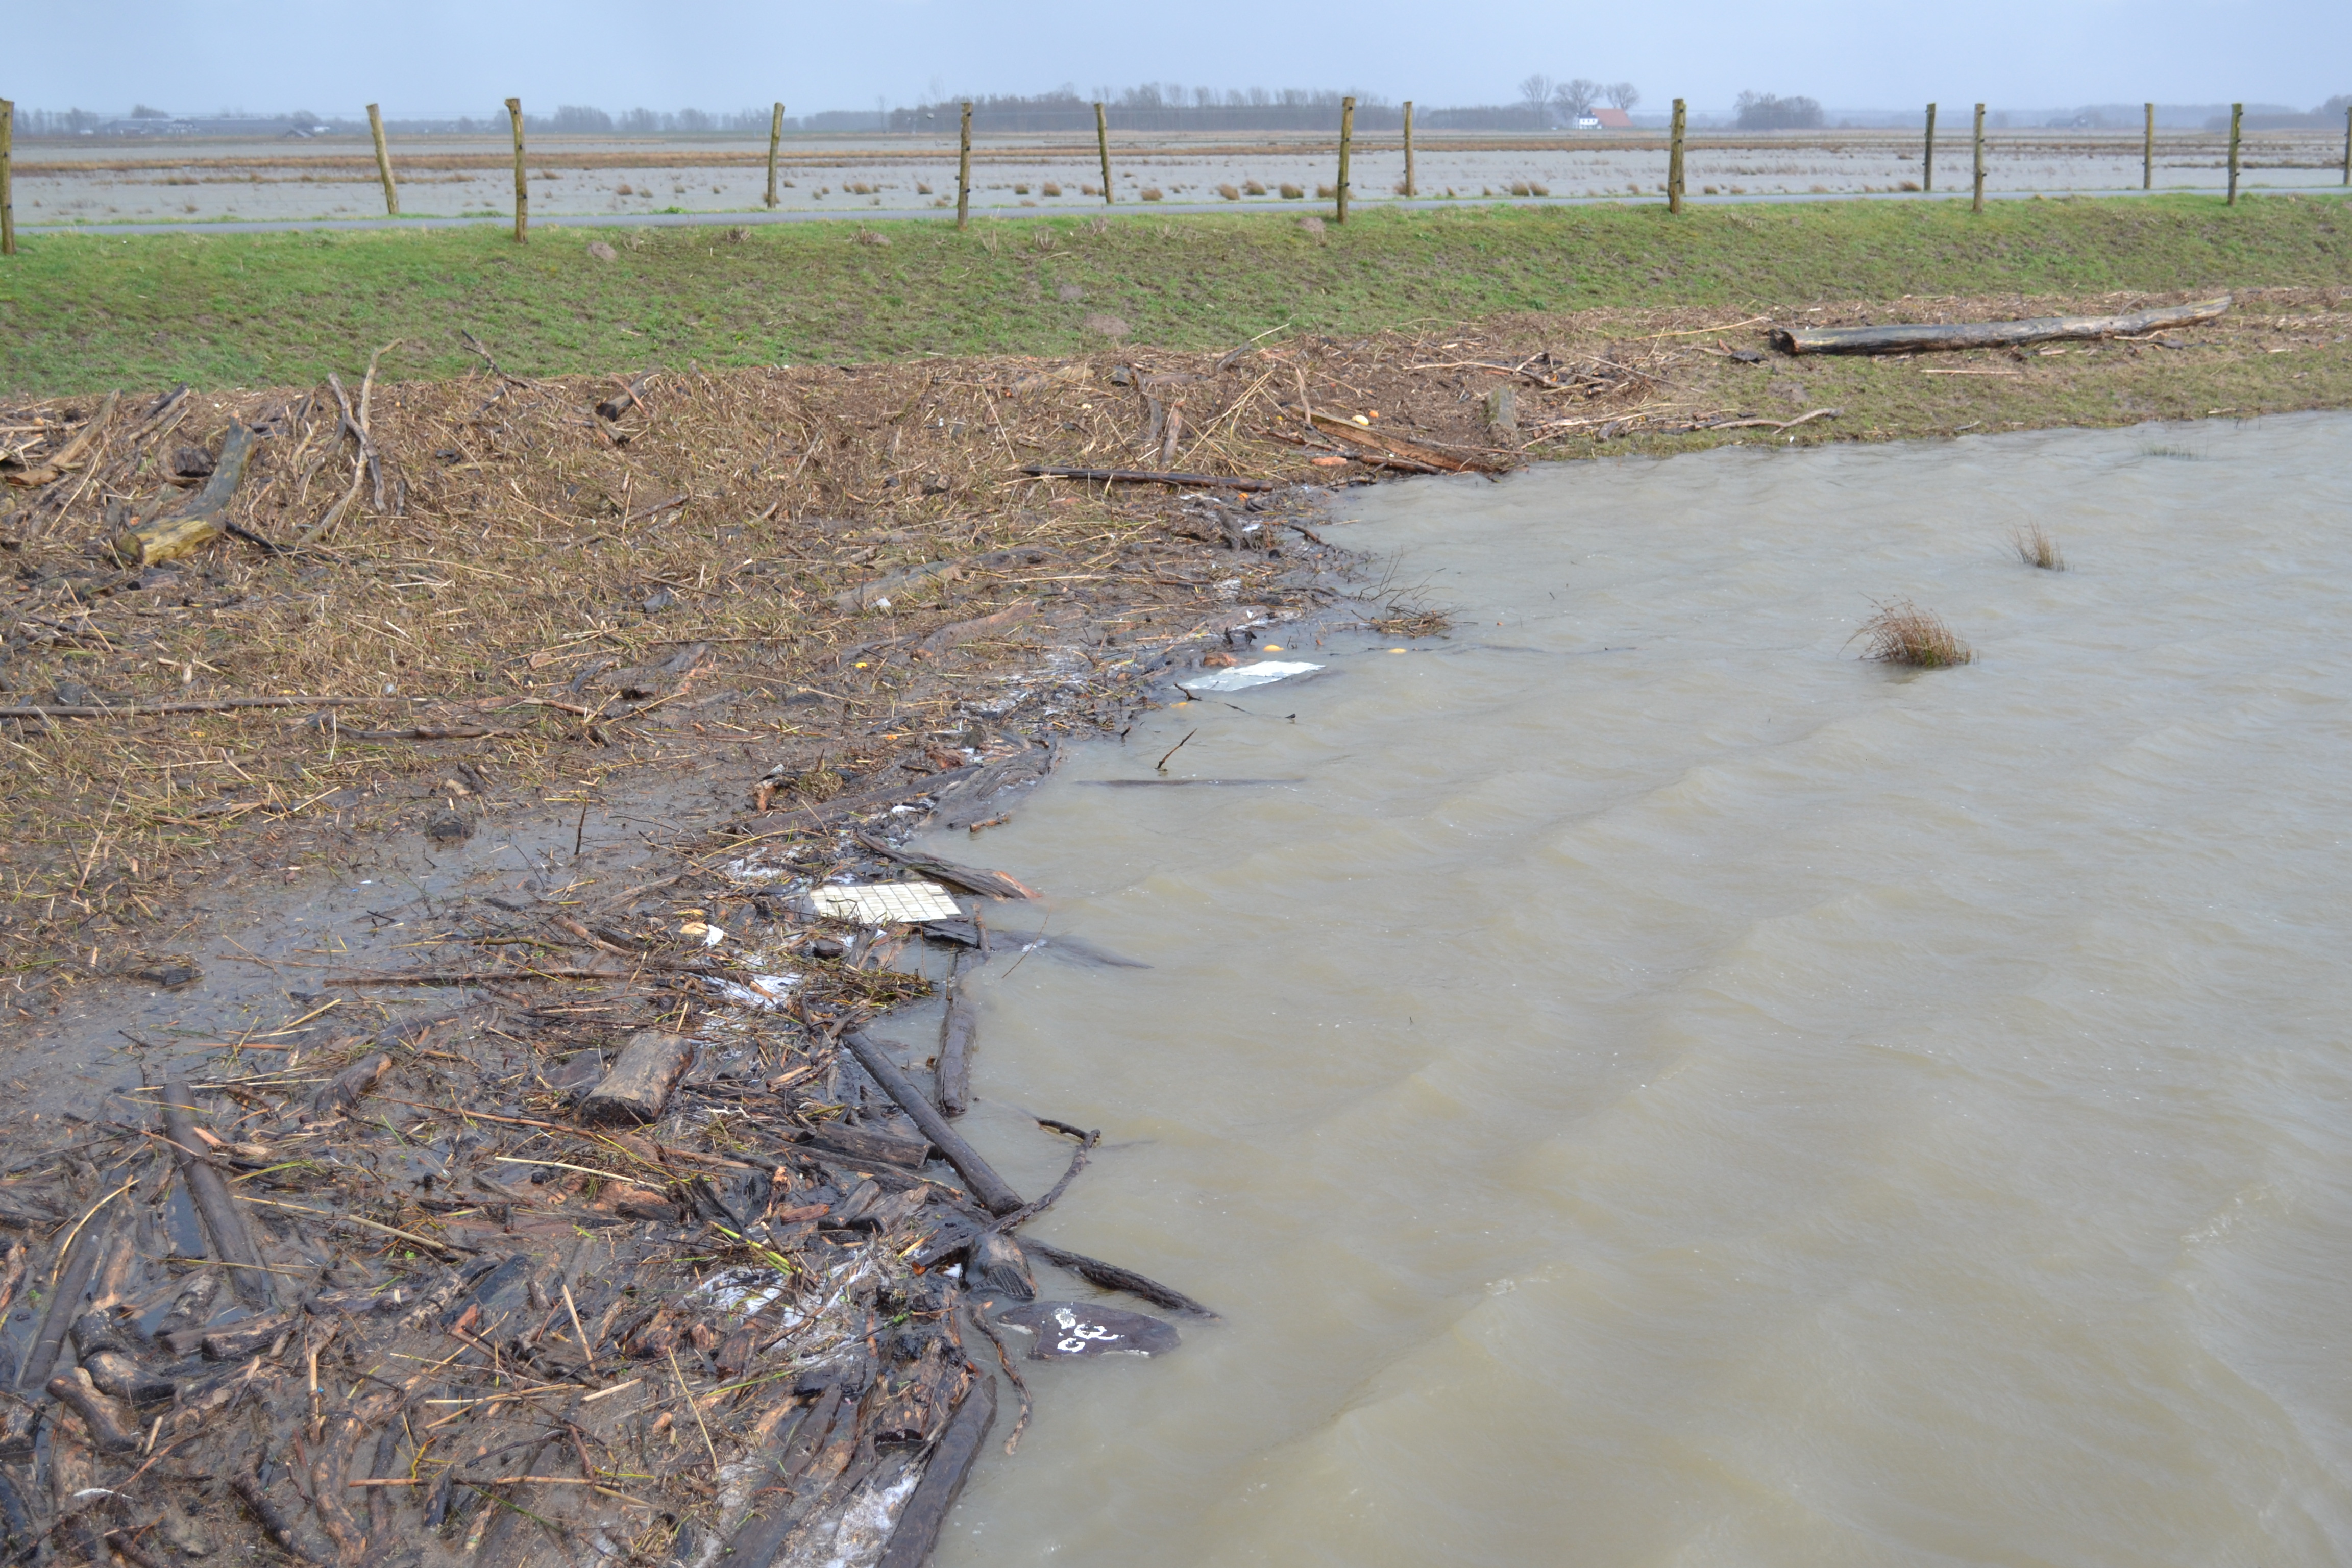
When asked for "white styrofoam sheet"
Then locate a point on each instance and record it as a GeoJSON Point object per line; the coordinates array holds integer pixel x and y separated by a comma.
{"type": "Point", "coordinates": [1242, 677]}
{"type": "Point", "coordinates": [886, 903]}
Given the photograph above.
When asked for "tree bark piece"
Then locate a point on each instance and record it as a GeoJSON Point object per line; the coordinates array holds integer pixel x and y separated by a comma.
{"type": "Point", "coordinates": [971, 878]}
{"type": "Point", "coordinates": [865, 1143]}
{"type": "Point", "coordinates": [959, 1447]}
{"type": "Point", "coordinates": [197, 523]}
{"type": "Point", "coordinates": [350, 1085]}
{"type": "Point", "coordinates": [1111, 1276]}
{"type": "Point", "coordinates": [956, 1031]}
{"type": "Point", "coordinates": [109, 1426]}
{"type": "Point", "coordinates": [985, 1184]}
{"type": "Point", "coordinates": [1398, 447]}
{"type": "Point", "coordinates": [1146, 477]}
{"type": "Point", "coordinates": [65, 1302]}
{"type": "Point", "coordinates": [223, 1221]}
{"type": "Point", "coordinates": [1989, 334]}
{"type": "Point", "coordinates": [640, 1083]}
{"type": "Point", "coordinates": [248, 1488]}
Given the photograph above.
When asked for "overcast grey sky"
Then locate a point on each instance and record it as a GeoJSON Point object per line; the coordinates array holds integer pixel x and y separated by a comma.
{"type": "Point", "coordinates": [462, 56]}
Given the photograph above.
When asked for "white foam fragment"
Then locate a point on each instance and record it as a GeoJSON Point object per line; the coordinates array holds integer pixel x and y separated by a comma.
{"type": "Point", "coordinates": [744, 1290]}
{"type": "Point", "coordinates": [759, 992]}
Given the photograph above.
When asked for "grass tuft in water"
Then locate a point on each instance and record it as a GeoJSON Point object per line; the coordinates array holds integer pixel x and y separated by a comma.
{"type": "Point", "coordinates": [2036, 548]}
{"type": "Point", "coordinates": [1903, 633]}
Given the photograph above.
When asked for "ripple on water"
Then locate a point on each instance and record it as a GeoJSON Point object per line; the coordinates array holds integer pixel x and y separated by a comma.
{"type": "Point", "coordinates": [1714, 1100]}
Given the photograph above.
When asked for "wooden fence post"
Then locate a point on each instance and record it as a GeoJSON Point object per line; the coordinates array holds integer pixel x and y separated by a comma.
{"type": "Point", "coordinates": [2148, 151]}
{"type": "Point", "coordinates": [1409, 189]}
{"type": "Point", "coordinates": [7, 195]}
{"type": "Point", "coordinates": [384, 162]}
{"type": "Point", "coordinates": [1975, 203]}
{"type": "Point", "coordinates": [1675, 159]}
{"type": "Point", "coordinates": [1928, 163]}
{"type": "Point", "coordinates": [2237, 118]}
{"type": "Point", "coordinates": [963, 170]}
{"type": "Point", "coordinates": [2347, 146]}
{"type": "Point", "coordinates": [522, 189]}
{"type": "Point", "coordinates": [1346, 135]}
{"type": "Point", "coordinates": [1102, 145]}
{"type": "Point", "coordinates": [775, 135]}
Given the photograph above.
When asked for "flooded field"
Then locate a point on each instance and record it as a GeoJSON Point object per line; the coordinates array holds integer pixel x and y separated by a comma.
{"type": "Point", "coordinates": [580, 177]}
{"type": "Point", "coordinates": [1644, 1085]}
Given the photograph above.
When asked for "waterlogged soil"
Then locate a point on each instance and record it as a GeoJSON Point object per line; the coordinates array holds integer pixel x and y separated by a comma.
{"type": "Point", "coordinates": [397, 1070]}
{"type": "Point", "coordinates": [336, 177]}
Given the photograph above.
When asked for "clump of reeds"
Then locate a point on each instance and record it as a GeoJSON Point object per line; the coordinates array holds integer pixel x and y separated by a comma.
{"type": "Point", "coordinates": [1252, 188]}
{"type": "Point", "coordinates": [2036, 548]}
{"type": "Point", "coordinates": [1291, 192]}
{"type": "Point", "coordinates": [1903, 633]}
{"type": "Point", "coordinates": [1231, 192]}
{"type": "Point", "coordinates": [1049, 189]}
{"type": "Point", "coordinates": [1151, 193]}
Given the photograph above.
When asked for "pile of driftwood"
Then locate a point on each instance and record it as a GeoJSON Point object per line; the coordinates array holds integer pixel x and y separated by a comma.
{"type": "Point", "coordinates": [515, 1283]}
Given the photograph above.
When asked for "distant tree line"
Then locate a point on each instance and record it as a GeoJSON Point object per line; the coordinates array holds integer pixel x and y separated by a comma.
{"type": "Point", "coordinates": [1574, 99]}
{"type": "Point", "coordinates": [581, 120]}
{"type": "Point", "coordinates": [1154, 106]}
{"type": "Point", "coordinates": [1767, 111]}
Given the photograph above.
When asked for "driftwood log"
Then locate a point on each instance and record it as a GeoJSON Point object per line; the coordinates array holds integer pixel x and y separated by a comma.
{"type": "Point", "coordinates": [956, 1030]}
{"type": "Point", "coordinates": [918, 1529]}
{"type": "Point", "coordinates": [971, 879]}
{"type": "Point", "coordinates": [65, 1303]}
{"type": "Point", "coordinates": [978, 1175]}
{"type": "Point", "coordinates": [198, 523]}
{"type": "Point", "coordinates": [1111, 1276]}
{"type": "Point", "coordinates": [1397, 450]}
{"type": "Point", "coordinates": [1988, 334]}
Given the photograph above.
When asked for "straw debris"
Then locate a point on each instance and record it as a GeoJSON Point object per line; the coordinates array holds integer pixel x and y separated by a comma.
{"type": "Point", "coordinates": [2036, 548]}
{"type": "Point", "coordinates": [1902, 633]}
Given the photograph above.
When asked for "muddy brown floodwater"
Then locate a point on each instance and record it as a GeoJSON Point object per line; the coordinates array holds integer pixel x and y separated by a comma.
{"type": "Point", "coordinates": [1656, 1088]}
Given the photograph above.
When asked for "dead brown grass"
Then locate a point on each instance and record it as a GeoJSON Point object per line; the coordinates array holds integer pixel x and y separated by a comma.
{"type": "Point", "coordinates": [2036, 548]}
{"type": "Point", "coordinates": [839, 572]}
{"type": "Point", "coordinates": [1900, 632]}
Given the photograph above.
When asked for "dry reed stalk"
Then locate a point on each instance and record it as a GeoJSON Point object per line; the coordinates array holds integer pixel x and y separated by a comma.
{"type": "Point", "coordinates": [2036, 548]}
{"type": "Point", "coordinates": [1903, 633]}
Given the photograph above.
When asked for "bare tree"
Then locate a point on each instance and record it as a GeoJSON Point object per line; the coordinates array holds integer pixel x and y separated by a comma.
{"type": "Point", "coordinates": [1623, 95]}
{"type": "Point", "coordinates": [1576, 97]}
{"type": "Point", "coordinates": [1536, 90]}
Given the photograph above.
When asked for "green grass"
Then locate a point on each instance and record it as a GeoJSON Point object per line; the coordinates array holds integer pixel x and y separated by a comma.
{"type": "Point", "coordinates": [86, 311]}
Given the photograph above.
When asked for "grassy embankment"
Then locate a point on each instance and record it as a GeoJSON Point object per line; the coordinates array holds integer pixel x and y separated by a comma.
{"type": "Point", "coordinates": [87, 311]}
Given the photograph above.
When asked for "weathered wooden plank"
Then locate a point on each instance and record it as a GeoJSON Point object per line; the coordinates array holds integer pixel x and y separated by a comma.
{"type": "Point", "coordinates": [640, 1083]}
